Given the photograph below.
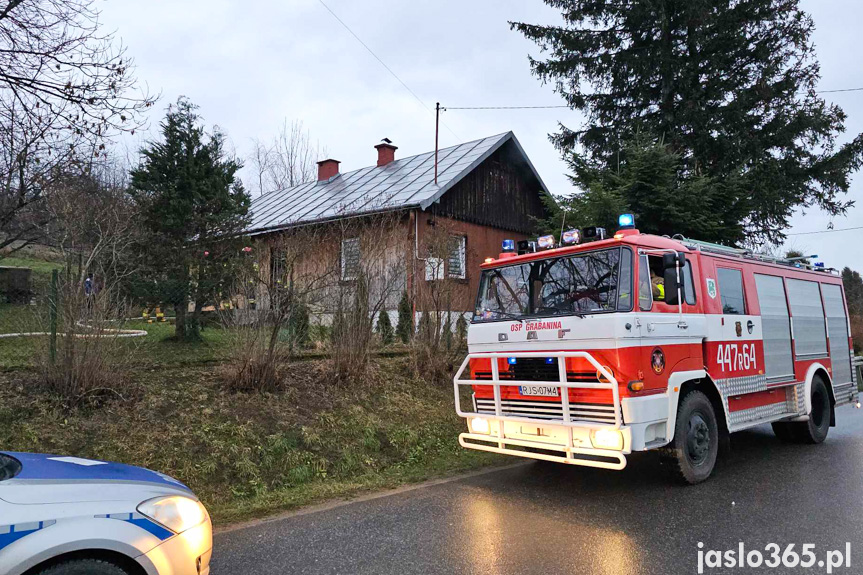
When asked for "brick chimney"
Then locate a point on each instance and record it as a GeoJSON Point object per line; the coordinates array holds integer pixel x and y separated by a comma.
{"type": "Point", "coordinates": [386, 153]}
{"type": "Point", "coordinates": [327, 169]}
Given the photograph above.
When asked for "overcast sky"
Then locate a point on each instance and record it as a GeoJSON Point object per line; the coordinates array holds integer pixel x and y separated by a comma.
{"type": "Point", "coordinates": [251, 65]}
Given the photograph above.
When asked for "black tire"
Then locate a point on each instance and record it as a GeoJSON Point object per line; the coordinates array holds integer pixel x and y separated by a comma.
{"type": "Point", "coordinates": [83, 567]}
{"type": "Point", "coordinates": [784, 430]}
{"type": "Point", "coordinates": [691, 456]}
{"type": "Point", "coordinates": [815, 430]}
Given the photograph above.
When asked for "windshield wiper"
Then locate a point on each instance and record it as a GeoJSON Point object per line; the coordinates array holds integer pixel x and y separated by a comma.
{"type": "Point", "coordinates": [505, 314]}
{"type": "Point", "coordinates": [557, 311]}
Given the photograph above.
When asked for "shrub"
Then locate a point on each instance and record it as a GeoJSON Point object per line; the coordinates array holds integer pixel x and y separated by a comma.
{"type": "Point", "coordinates": [91, 357]}
{"type": "Point", "coordinates": [352, 333]}
{"type": "Point", "coordinates": [405, 326]}
{"type": "Point", "coordinates": [461, 329]}
{"type": "Point", "coordinates": [385, 328]}
{"type": "Point", "coordinates": [298, 326]}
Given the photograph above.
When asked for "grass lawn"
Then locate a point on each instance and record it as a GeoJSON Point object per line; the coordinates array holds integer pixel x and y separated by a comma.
{"type": "Point", "coordinates": [245, 455]}
{"type": "Point", "coordinates": [41, 268]}
{"type": "Point", "coordinates": [248, 455]}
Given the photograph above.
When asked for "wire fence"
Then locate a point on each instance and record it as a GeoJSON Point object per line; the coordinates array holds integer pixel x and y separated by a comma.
{"type": "Point", "coordinates": [42, 302]}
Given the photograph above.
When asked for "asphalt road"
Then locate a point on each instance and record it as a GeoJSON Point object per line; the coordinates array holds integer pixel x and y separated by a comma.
{"type": "Point", "coordinates": [549, 519]}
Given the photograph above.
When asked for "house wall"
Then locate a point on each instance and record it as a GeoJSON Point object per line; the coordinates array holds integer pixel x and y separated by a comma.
{"type": "Point", "coordinates": [500, 199]}
{"type": "Point", "coordinates": [502, 192]}
{"type": "Point", "coordinates": [315, 252]}
{"type": "Point", "coordinates": [482, 242]}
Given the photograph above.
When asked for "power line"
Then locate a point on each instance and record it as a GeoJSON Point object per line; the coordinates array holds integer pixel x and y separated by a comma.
{"type": "Point", "coordinates": [825, 231]}
{"type": "Point", "coordinates": [566, 106]}
{"type": "Point", "coordinates": [501, 107]}
{"type": "Point", "coordinates": [382, 63]}
{"type": "Point", "coordinates": [842, 90]}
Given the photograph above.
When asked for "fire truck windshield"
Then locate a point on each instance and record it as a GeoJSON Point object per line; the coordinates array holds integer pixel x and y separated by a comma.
{"type": "Point", "coordinates": [578, 284]}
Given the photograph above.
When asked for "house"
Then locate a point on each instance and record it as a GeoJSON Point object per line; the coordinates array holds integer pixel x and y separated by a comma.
{"type": "Point", "coordinates": [441, 219]}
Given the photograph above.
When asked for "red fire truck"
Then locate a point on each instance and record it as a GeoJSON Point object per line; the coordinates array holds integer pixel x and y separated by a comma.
{"type": "Point", "coordinates": [585, 351]}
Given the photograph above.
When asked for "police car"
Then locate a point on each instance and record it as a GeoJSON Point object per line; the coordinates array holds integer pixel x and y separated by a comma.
{"type": "Point", "coordinates": [73, 516]}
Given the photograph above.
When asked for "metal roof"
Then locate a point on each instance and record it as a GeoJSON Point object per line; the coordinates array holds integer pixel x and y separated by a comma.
{"type": "Point", "coordinates": [401, 184]}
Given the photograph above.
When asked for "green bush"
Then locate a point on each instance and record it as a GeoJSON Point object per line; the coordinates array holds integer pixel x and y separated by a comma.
{"type": "Point", "coordinates": [385, 328]}
{"type": "Point", "coordinates": [405, 326]}
{"type": "Point", "coordinates": [299, 325]}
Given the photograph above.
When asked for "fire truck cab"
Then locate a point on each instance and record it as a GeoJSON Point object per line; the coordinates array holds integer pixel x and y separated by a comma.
{"type": "Point", "coordinates": [584, 352]}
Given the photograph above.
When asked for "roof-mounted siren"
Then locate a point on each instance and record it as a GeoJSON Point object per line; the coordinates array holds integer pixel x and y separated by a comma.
{"type": "Point", "coordinates": [593, 234]}
{"type": "Point", "coordinates": [625, 226]}
{"type": "Point", "coordinates": [801, 261]}
{"type": "Point", "coordinates": [526, 247]}
{"type": "Point", "coordinates": [507, 249]}
{"type": "Point", "coordinates": [545, 242]}
{"type": "Point", "coordinates": [571, 237]}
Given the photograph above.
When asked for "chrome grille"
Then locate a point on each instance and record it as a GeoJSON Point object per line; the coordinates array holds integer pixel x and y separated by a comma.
{"type": "Point", "coordinates": [538, 369]}
{"type": "Point", "coordinates": [548, 410]}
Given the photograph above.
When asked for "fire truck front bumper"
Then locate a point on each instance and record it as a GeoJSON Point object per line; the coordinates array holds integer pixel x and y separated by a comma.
{"type": "Point", "coordinates": [570, 439]}
{"type": "Point", "coordinates": [604, 447]}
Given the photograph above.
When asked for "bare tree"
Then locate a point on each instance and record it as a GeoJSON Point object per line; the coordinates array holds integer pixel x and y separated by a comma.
{"type": "Point", "coordinates": [281, 281]}
{"type": "Point", "coordinates": [437, 344]}
{"type": "Point", "coordinates": [93, 222]}
{"type": "Point", "coordinates": [93, 226]}
{"type": "Point", "coordinates": [289, 159]}
{"type": "Point", "coordinates": [65, 89]}
{"type": "Point", "coordinates": [54, 56]}
{"type": "Point", "coordinates": [373, 277]}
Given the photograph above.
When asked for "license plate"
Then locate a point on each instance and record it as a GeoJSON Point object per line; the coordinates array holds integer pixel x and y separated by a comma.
{"type": "Point", "coordinates": [543, 390]}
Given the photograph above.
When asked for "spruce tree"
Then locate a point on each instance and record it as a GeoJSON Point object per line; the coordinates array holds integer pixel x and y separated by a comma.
{"type": "Point", "coordinates": [385, 328]}
{"type": "Point", "coordinates": [853, 291]}
{"type": "Point", "coordinates": [405, 325]}
{"type": "Point", "coordinates": [194, 210]}
{"type": "Point", "coordinates": [727, 88]}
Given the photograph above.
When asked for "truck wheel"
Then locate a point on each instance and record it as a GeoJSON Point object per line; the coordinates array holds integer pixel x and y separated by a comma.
{"type": "Point", "coordinates": [815, 430]}
{"type": "Point", "coordinates": [83, 567]}
{"type": "Point", "coordinates": [784, 431]}
{"type": "Point", "coordinates": [692, 453]}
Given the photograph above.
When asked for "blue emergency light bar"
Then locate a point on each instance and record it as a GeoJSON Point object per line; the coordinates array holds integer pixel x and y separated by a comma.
{"type": "Point", "coordinates": [507, 246]}
{"type": "Point", "coordinates": [819, 264]}
{"type": "Point", "coordinates": [511, 360]}
{"type": "Point", "coordinates": [625, 221]}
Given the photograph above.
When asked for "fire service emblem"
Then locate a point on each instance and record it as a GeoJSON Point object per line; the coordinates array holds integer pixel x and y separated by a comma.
{"type": "Point", "coordinates": [657, 360]}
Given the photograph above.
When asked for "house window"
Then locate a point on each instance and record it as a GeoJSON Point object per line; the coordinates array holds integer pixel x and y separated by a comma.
{"type": "Point", "coordinates": [278, 265]}
{"type": "Point", "coordinates": [434, 269]}
{"type": "Point", "coordinates": [350, 259]}
{"type": "Point", "coordinates": [456, 259]}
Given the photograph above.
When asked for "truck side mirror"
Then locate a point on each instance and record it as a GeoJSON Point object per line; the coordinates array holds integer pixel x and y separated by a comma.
{"type": "Point", "coordinates": [670, 262]}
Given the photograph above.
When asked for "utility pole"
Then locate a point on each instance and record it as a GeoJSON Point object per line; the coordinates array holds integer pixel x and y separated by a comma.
{"type": "Point", "coordinates": [436, 132]}
{"type": "Point", "coordinates": [52, 343]}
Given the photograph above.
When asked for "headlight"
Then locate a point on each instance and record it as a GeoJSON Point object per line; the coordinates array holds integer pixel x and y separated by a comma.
{"type": "Point", "coordinates": [177, 513]}
{"type": "Point", "coordinates": [479, 425]}
{"type": "Point", "coordinates": [607, 439]}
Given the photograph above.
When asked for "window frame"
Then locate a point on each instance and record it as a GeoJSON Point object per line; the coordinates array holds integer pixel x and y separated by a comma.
{"type": "Point", "coordinates": [461, 246]}
{"type": "Point", "coordinates": [644, 267]}
{"type": "Point", "coordinates": [344, 265]}
{"type": "Point", "coordinates": [691, 277]}
{"type": "Point", "coordinates": [745, 310]}
{"type": "Point", "coordinates": [526, 317]}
